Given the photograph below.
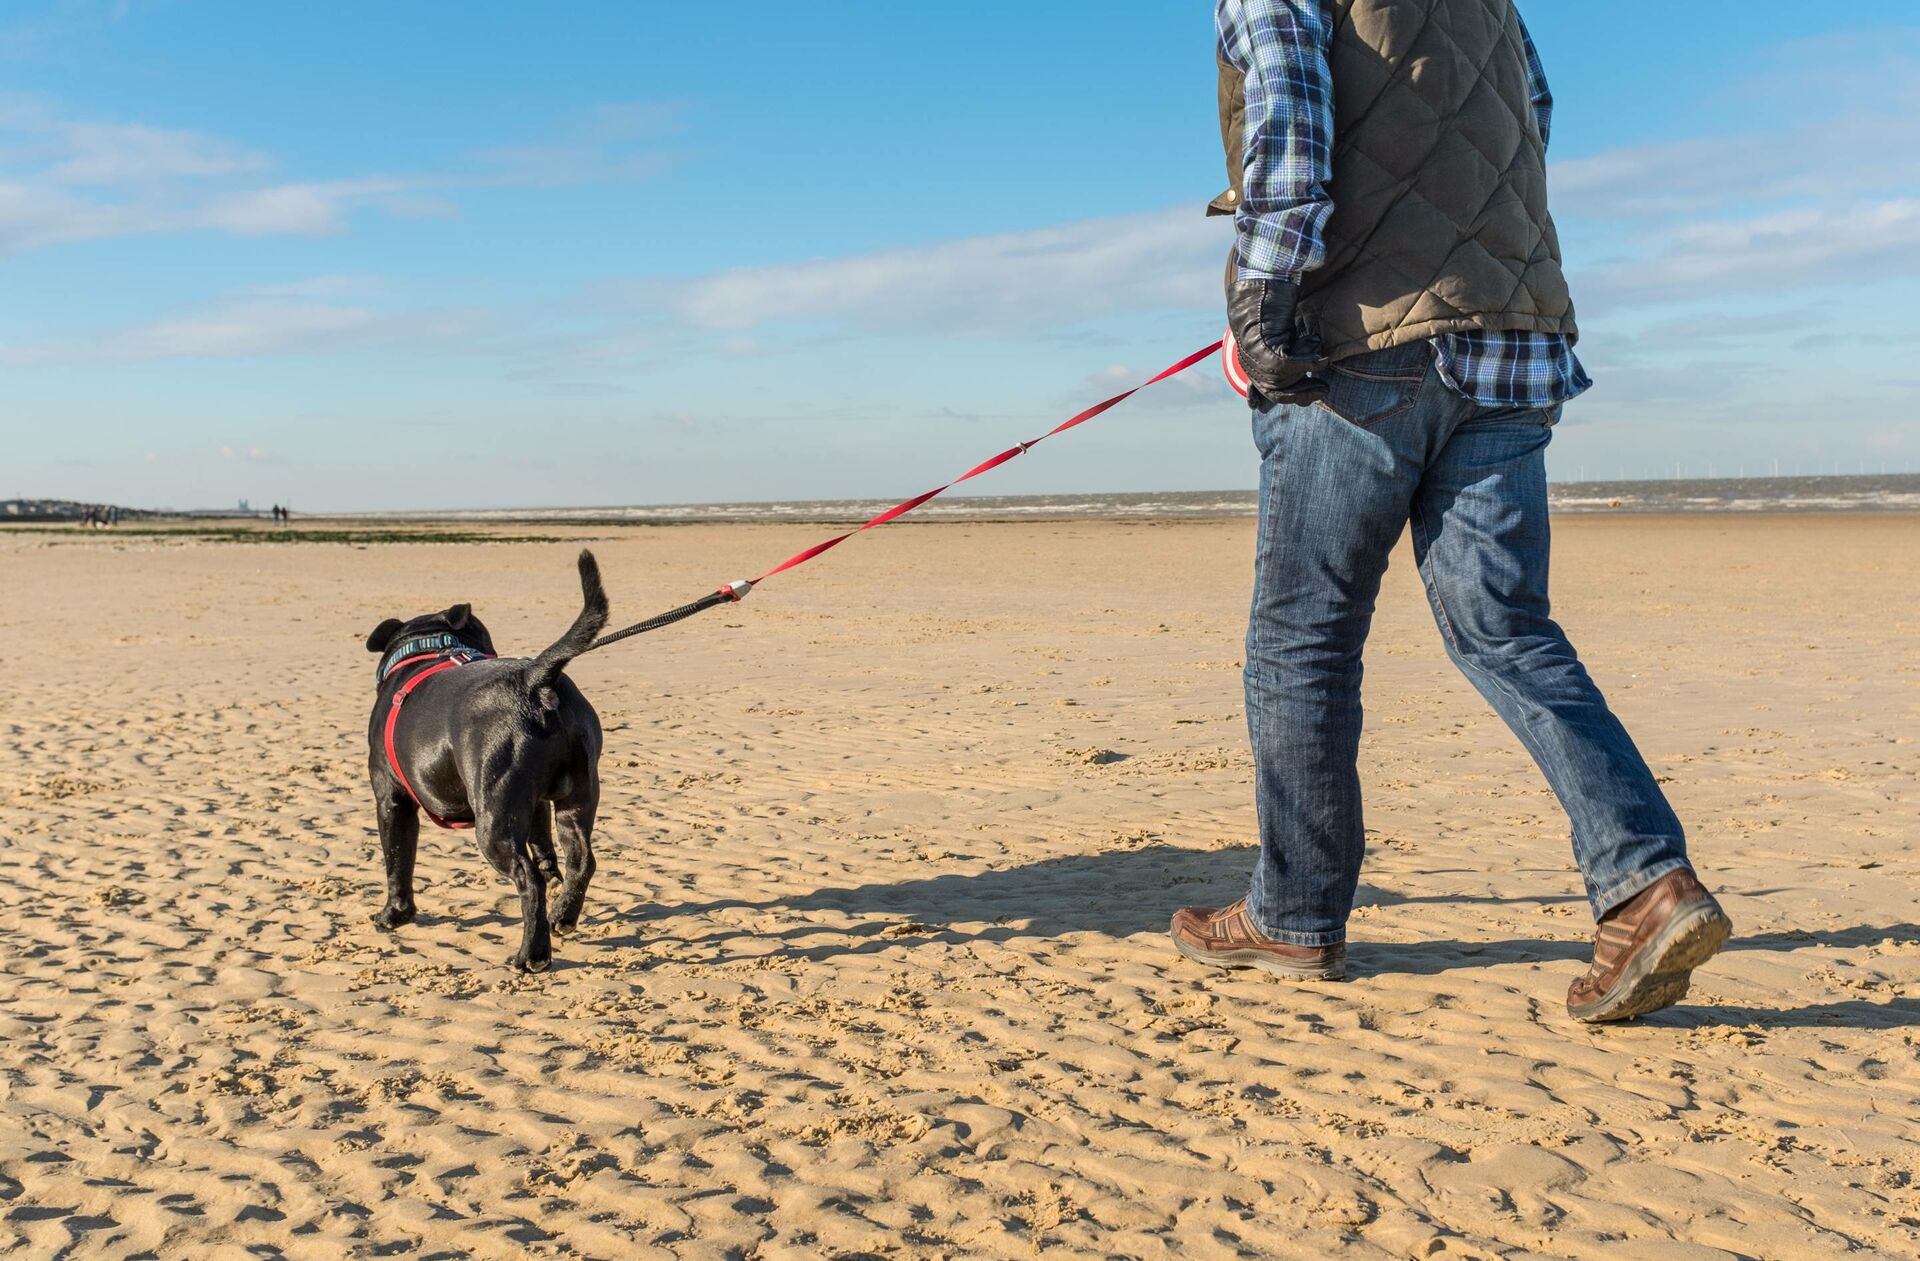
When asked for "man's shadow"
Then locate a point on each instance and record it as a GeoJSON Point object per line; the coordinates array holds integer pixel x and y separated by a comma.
{"type": "Point", "coordinates": [1123, 892]}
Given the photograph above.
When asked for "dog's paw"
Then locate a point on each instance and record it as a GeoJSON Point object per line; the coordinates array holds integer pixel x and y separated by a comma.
{"type": "Point", "coordinates": [566, 921]}
{"type": "Point", "coordinates": [531, 963]}
{"type": "Point", "coordinates": [391, 917]}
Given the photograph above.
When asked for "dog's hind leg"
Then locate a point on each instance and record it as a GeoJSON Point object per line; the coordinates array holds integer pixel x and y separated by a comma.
{"type": "Point", "coordinates": [573, 821]}
{"type": "Point", "coordinates": [399, 842]}
{"type": "Point", "coordinates": [505, 833]}
{"type": "Point", "coordinates": [543, 840]}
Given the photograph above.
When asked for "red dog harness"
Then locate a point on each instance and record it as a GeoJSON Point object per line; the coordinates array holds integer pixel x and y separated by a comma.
{"type": "Point", "coordinates": [448, 662]}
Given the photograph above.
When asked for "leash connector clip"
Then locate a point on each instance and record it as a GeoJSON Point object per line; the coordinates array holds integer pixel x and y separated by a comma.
{"type": "Point", "coordinates": [736, 590]}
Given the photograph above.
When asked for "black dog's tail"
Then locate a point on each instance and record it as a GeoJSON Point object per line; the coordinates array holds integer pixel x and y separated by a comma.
{"type": "Point", "coordinates": [580, 635]}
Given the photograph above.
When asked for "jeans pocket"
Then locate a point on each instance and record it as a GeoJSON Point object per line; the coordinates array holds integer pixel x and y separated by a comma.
{"type": "Point", "coordinates": [1371, 388]}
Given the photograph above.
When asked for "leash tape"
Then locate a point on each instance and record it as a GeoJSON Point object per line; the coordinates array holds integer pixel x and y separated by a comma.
{"type": "Point", "coordinates": [738, 590]}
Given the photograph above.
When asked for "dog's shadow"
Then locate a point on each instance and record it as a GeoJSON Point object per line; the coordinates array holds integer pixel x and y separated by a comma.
{"type": "Point", "coordinates": [1124, 892]}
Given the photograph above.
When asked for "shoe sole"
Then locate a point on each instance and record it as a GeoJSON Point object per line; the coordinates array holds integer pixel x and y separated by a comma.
{"type": "Point", "coordinates": [1333, 970]}
{"type": "Point", "coordinates": [1660, 974]}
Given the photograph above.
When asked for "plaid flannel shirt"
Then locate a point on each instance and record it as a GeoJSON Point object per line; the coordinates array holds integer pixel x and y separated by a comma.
{"type": "Point", "coordinates": [1282, 47]}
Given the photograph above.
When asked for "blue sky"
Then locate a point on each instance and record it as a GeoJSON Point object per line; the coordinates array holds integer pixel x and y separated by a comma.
{"type": "Point", "coordinates": [363, 256]}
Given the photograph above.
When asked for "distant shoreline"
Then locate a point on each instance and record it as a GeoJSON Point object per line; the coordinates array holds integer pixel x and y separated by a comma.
{"type": "Point", "coordinates": [1732, 496]}
{"type": "Point", "coordinates": [1848, 493]}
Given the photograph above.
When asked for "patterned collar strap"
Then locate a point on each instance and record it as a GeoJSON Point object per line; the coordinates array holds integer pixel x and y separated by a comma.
{"type": "Point", "coordinates": [425, 645]}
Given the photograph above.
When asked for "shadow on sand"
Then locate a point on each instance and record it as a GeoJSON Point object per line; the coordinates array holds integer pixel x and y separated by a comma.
{"type": "Point", "coordinates": [1120, 893]}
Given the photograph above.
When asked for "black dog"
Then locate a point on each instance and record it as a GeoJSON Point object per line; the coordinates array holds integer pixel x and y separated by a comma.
{"type": "Point", "coordinates": [507, 747]}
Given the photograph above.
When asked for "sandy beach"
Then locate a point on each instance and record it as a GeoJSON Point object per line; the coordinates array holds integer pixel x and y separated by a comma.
{"type": "Point", "coordinates": [875, 963]}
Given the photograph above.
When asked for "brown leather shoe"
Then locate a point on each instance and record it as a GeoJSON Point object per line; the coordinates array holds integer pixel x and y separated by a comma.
{"type": "Point", "coordinates": [1224, 937]}
{"type": "Point", "coordinates": [1647, 948]}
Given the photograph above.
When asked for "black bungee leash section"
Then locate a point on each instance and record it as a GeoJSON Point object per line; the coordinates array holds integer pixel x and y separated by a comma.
{"type": "Point", "coordinates": [732, 593]}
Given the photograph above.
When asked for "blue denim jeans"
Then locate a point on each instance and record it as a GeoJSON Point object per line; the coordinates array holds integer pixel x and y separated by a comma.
{"type": "Point", "coordinates": [1389, 445]}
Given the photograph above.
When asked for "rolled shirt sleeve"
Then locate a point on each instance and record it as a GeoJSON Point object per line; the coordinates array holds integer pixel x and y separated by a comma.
{"type": "Point", "coordinates": [1281, 47]}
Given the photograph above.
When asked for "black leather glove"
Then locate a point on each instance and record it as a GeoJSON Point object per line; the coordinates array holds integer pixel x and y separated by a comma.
{"type": "Point", "coordinates": [1260, 312]}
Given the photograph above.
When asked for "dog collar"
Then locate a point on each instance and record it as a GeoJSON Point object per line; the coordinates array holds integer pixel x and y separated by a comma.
{"type": "Point", "coordinates": [437, 645]}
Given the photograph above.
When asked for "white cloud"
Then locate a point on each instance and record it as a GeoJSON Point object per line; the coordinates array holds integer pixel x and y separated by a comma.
{"type": "Point", "coordinates": [1773, 253]}
{"type": "Point", "coordinates": [106, 153]}
{"type": "Point", "coordinates": [1203, 385]}
{"type": "Point", "coordinates": [1035, 278]}
{"type": "Point", "coordinates": [318, 287]}
{"type": "Point", "coordinates": [243, 329]}
{"type": "Point", "coordinates": [1830, 121]}
{"type": "Point", "coordinates": [32, 36]}
{"type": "Point", "coordinates": [610, 143]}
{"type": "Point", "coordinates": [1834, 160]}
{"type": "Point", "coordinates": [1822, 187]}
{"type": "Point", "coordinates": [252, 325]}
{"type": "Point", "coordinates": [64, 180]}
{"type": "Point", "coordinates": [315, 209]}
{"type": "Point", "coordinates": [1820, 191]}
{"type": "Point", "coordinates": [33, 216]}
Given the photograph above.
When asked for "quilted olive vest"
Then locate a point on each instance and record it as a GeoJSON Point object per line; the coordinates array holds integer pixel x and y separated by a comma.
{"type": "Point", "coordinates": [1439, 185]}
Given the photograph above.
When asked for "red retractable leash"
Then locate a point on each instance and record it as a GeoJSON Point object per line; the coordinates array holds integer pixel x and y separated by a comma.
{"type": "Point", "coordinates": [737, 590]}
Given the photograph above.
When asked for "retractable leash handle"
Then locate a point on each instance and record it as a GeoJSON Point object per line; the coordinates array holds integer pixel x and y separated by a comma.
{"type": "Point", "coordinates": [1312, 386]}
{"type": "Point", "coordinates": [737, 590]}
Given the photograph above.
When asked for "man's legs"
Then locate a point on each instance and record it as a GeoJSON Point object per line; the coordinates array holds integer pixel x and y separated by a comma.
{"type": "Point", "coordinates": [1334, 497]}
{"type": "Point", "coordinates": [1481, 538]}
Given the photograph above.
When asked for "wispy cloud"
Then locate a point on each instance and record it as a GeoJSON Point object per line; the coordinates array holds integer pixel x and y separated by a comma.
{"type": "Point", "coordinates": [1775, 254]}
{"type": "Point", "coordinates": [264, 322]}
{"type": "Point", "coordinates": [1006, 281]}
{"type": "Point", "coordinates": [29, 37]}
{"type": "Point", "coordinates": [314, 209]}
{"type": "Point", "coordinates": [323, 288]}
{"type": "Point", "coordinates": [608, 144]}
{"type": "Point", "coordinates": [64, 180]}
{"type": "Point", "coordinates": [1821, 188]}
{"type": "Point", "coordinates": [1691, 220]}
{"type": "Point", "coordinates": [1204, 386]}
{"type": "Point", "coordinates": [244, 328]}
{"type": "Point", "coordinates": [33, 216]}
{"type": "Point", "coordinates": [1833, 160]}
{"type": "Point", "coordinates": [1830, 123]}
{"type": "Point", "coordinates": [123, 153]}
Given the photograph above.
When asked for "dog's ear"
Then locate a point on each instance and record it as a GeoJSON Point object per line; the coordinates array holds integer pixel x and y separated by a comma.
{"type": "Point", "coordinates": [377, 642]}
{"type": "Point", "coordinates": [456, 616]}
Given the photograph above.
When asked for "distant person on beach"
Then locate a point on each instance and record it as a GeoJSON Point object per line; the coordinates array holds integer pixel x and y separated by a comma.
{"type": "Point", "coordinates": [1396, 295]}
